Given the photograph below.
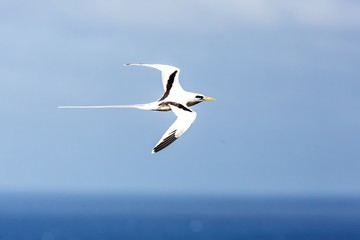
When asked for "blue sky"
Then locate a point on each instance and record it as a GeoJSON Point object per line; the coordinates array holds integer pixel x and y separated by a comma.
{"type": "Point", "coordinates": [285, 75]}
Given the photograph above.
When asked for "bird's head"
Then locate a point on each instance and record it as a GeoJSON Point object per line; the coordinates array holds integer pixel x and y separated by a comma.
{"type": "Point", "coordinates": [198, 98]}
{"type": "Point", "coordinates": [201, 98]}
{"type": "Point", "coordinates": [195, 98]}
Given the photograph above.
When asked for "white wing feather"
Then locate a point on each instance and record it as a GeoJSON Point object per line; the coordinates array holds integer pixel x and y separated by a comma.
{"type": "Point", "coordinates": [181, 124]}
{"type": "Point", "coordinates": [166, 71]}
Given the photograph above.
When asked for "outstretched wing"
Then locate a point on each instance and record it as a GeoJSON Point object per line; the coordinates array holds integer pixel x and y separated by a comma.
{"type": "Point", "coordinates": [169, 75]}
{"type": "Point", "coordinates": [185, 117]}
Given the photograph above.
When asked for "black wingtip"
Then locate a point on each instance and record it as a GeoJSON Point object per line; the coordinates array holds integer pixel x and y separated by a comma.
{"type": "Point", "coordinates": [166, 142]}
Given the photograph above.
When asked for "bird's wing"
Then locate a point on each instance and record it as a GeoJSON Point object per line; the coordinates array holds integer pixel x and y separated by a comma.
{"type": "Point", "coordinates": [185, 117]}
{"type": "Point", "coordinates": [169, 75]}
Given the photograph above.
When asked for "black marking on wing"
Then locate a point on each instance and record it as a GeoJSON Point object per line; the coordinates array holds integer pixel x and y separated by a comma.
{"type": "Point", "coordinates": [166, 142]}
{"type": "Point", "coordinates": [177, 105]}
{"type": "Point", "coordinates": [169, 84]}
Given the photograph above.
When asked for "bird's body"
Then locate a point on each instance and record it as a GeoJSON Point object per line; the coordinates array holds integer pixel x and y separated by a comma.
{"type": "Point", "coordinates": [175, 98]}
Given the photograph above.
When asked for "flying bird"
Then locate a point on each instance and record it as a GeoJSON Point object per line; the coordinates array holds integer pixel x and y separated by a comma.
{"type": "Point", "coordinates": [175, 98]}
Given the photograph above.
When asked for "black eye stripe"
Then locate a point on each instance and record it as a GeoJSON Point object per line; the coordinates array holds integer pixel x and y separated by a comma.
{"type": "Point", "coordinates": [198, 96]}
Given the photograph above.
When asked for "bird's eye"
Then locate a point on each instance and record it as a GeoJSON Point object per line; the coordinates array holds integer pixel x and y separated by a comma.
{"type": "Point", "coordinates": [200, 97]}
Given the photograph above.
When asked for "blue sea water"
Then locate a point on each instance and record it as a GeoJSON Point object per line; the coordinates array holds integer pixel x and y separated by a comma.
{"type": "Point", "coordinates": [73, 217]}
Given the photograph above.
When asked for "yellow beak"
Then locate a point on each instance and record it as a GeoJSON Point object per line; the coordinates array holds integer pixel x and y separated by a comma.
{"type": "Point", "coordinates": [209, 99]}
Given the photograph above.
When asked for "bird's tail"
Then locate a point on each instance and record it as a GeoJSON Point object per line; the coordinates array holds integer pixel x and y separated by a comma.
{"type": "Point", "coordinates": [138, 106]}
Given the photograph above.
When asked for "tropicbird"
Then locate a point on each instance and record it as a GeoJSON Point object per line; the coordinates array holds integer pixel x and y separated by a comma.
{"type": "Point", "coordinates": [175, 98]}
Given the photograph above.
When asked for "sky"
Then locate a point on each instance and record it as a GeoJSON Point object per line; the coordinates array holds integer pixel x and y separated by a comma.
{"type": "Point", "coordinates": [285, 75]}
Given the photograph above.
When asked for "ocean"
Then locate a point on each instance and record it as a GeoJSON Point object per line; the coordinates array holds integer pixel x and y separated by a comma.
{"type": "Point", "coordinates": [110, 217]}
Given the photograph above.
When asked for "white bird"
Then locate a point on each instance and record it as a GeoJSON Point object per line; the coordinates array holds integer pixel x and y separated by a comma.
{"type": "Point", "coordinates": [175, 98]}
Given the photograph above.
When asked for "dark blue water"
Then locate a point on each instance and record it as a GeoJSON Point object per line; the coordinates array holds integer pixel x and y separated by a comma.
{"type": "Point", "coordinates": [52, 217]}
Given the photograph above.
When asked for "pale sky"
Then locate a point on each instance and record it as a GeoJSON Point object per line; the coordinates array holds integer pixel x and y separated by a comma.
{"type": "Point", "coordinates": [285, 75]}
